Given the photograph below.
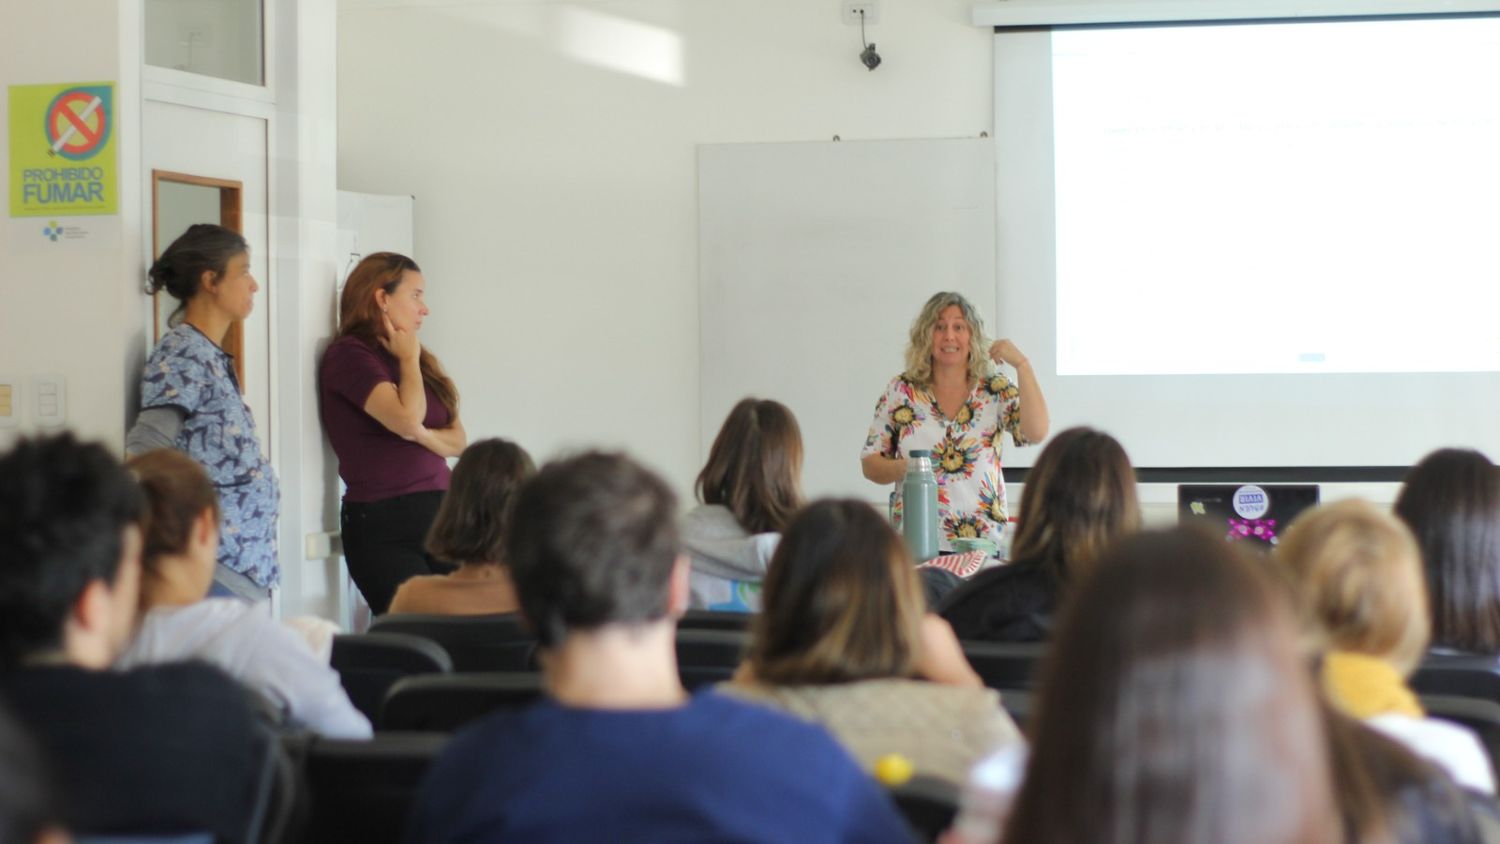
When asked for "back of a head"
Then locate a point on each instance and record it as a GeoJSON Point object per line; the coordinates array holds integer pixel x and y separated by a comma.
{"type": "Point", "coordinates": [1358, 576]}
{"type": "Point", "coordinates": [176, 491]}
{"type": "Point", "coordinates": [1176, 708]}
{"type": "Point", "coordinates": [1451, 502]}
{"type": "Point", "coordinates": [1079, 497]}
{"type": "Point", "coordinates": [841, 600]}
{"type": "Point", "coordinates": [64, 509]}
{"type": "Point", "coordinates": [755, 465]}
{"type": "Point", "coordinates": [475, 515]}
{"type": "Point", "coordinates": [593, 542]}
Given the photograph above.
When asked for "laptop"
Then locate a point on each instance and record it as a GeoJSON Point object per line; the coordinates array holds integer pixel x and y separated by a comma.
{"type": "Point", "coordinates": [1254, 513]}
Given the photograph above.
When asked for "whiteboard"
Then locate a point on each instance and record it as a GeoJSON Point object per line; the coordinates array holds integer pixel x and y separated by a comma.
{"type": "Point", "coordinates": [814, 259]}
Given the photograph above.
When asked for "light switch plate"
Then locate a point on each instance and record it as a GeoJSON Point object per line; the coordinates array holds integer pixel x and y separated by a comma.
{"type": "Point", "coordinates": [49, 401]}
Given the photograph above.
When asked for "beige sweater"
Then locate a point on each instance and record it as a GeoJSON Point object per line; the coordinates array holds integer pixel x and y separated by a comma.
{"type": "Point", "coordinates": [942, 730]}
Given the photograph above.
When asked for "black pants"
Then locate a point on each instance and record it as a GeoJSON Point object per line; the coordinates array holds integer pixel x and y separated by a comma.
{"type": "Point", "coordinates": [383, 544]}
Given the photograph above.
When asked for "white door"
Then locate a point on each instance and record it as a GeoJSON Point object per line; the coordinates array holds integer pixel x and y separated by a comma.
{"type": "Point", "coordinates": [217, 145]}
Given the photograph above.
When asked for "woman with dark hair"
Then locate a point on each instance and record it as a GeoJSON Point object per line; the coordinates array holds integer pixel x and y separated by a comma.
{"type": "Point", "coordinates": [391, 413]}
{"type": "Point", "coordinates": [1175, 708]}
{"type": "Point", "coordinates": [1079, 497]}
{"type": "Point", "coordinates": [1451, 501]}
{"type": "Point", "coordinates": [190, 401]}
{"type": "Point", "coordinates": [177, 623]}
{"type": "Point", "coordinates": [469, 531]}
{"type": "Point", "coordinates": [749, 489]}
{"type": "Point", "coordinates": [953, 401]}
{"type": "Point", "coordinates": [844, 640]}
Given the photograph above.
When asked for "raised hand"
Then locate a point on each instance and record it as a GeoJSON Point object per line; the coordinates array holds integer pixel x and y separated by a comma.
{"type": "Point", "coordinates": [1004, 351]}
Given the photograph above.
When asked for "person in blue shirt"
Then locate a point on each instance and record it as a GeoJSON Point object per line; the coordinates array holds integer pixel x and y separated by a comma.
{"type": "Point", "coordinates": [617, 750]}
{"type": "Point", "coordinates": [191, 401]}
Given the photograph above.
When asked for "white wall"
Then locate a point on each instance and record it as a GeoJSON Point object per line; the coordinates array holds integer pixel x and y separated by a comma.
{"type": "Point", "coordinates": [304, 234]}
{"type": "Point", "coordinates": [551, 148]}
{"type": "Point", "coordinates": [75, 312]}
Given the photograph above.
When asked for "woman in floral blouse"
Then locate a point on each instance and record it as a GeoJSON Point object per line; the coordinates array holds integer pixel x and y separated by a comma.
{"type": "Point", "coordinates": [953, 400]}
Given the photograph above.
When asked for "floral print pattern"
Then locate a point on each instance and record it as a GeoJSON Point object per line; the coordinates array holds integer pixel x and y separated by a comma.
{"type": "Point", "coordinates": [188, 371]}
{"type": "Point", "coordinates": [965, 450]}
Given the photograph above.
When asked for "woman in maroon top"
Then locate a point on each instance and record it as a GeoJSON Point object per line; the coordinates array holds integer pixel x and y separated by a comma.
{"type": "Point", "coordinates": [392, 416]}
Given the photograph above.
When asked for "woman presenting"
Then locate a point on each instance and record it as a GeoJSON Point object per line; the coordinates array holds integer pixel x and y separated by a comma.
{"type": "Point", "coordinates": [953, 401]}
{"type": "Point", "coordinates": [190, 401]}
{"type": "Point", "coordinates": [391, 414]}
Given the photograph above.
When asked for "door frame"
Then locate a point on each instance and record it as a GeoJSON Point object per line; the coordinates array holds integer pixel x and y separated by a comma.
{"type": "Point", "coordinates": [231, 194]}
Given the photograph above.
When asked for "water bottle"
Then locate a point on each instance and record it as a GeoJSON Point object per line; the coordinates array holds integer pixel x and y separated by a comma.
{"type": "Point", "coordinates": [919, 506]}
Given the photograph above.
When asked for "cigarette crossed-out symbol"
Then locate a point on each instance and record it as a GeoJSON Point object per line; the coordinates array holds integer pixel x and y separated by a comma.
{"type": "Point", "coordinates": [78, 123]}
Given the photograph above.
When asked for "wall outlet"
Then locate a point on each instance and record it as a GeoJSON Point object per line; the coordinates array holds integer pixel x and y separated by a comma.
{"type": "Point", "coordinates": [322, 546]}
{"type": "Point", "coordinates": [852, 8]}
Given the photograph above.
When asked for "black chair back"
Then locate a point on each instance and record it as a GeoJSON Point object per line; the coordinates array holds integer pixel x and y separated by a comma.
{"type": "Point", "coordinates": [705, 657]}
{"type": "Point", "coordinates": [475, 642]}
{"type": "Point", "coordinates": [1458, 675]}
{"type": "Point", "coordinates": [364, 790]}
{"type": "Point", "coordinates": [929, 805]}
{"type": "Point", "coordinates": [445, 702]}
{"type": "Point", "coordinates": [714, 620]}
{"type": "Point", "coordinates": [370, 663]}
{"type": "Point", "coordinates": [1005, 665]}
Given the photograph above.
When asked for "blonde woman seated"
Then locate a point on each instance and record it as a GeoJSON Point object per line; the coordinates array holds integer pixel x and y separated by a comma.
{"type": "Point", "coordinates": [469, 529]}
{"type": "Point", "coordinates": [1359, 576]}
{"type": "Point", "coordinates": [843, 640]}
{"type": "Point", "coordinates": [181, 541]}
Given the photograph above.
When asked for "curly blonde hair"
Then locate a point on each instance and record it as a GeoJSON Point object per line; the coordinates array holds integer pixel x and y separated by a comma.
{"type": "Point", "coordinates": [919, 350]}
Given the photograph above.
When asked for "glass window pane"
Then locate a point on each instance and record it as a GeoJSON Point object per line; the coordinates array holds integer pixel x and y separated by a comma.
{"type": "Point", "coordinates": [222, 38]}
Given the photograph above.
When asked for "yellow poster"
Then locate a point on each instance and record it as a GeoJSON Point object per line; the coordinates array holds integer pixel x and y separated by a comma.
{"type": "Point", "coordinates": [62, 150]}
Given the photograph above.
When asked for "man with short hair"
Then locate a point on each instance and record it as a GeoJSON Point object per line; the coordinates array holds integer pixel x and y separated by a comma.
{"type": "Point", "coordinates": [618, 751]}
{"type": "Point", "coordinates": [161, 749]}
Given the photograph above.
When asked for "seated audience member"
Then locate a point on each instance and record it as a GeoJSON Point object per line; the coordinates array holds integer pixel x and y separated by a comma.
{"type": "Point", "coordinates": [1358, 576]}
{"type": "Point", "coordinates": [1079, 497]}
{"type": "Point", "coordinates": [844, 641]}
{"type": "Point", "coordinates": [469, 531]}
{"type": "Point", "coordinates": [1451, 502]}
{"type": "Point", "coordinates": [179, 623]}
{"type": "Point", "coordinates": [750, 488]}
{"type": "Point", "coordinates": [617, 750]}
{"type": "Point", "coordinates": [29, 812]}
{"type": "Point", "coordinates": [164, 748]}
{"type": "Point", "coordinates": [1175, 708]}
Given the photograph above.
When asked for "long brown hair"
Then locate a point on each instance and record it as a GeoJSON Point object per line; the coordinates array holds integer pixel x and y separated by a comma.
{"type": "Point", "coordinates": [359, 316]}
{"type": "Point", "coordinates": [754, 466]}
{"type": "Point", "coordinates": [1451, 501]}
{"type": "Point", "coordinates": [1079, 497]}
{"type": "Point", "coordinates": [1175, 708]}
{"type": "Point", "coordinates": [471, 522]}
{"type": "Point", "coordinates": [842, 600]}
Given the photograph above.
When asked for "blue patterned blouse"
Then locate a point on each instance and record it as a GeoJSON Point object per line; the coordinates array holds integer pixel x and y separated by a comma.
{"type": "Point", "coordinates": [188, 371]}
